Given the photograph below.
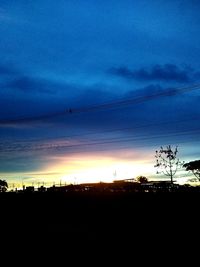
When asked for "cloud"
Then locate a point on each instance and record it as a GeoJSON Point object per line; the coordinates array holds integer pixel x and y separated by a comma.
{"type": "Point", "coordinates": [28, 85]}
{"type": "Point", "coordinates": [16, 80]}
{"type": "Point", "coordinates": [142, 124]}
{"type": "Point", "coordinates": [4, 16]}
{"type": "Point", "coordinates": [92, 108]}
{"type": "Point", "coordinates": [7, 69]}
{"type": "Point", "coordinates": [167, 72]}
{"type": "Point", "coordinates": [27, 109]}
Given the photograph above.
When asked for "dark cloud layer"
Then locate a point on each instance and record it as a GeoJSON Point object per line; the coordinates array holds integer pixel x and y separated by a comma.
{"type": "Point", "coordinates": [19, 81]}
{"type": "Point", "coordinates": [7, 69]}
{"type": "Point", "coordinates": [166, 119]}
{"type": "Point", "coordinates": [166, 73]}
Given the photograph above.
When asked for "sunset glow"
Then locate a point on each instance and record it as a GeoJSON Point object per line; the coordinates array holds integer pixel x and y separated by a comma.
{"type": "Point", "coordinates": [96, 89]}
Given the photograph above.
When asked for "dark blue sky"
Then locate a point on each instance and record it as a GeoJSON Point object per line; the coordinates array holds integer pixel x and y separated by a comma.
{"type": "Point", "coordinates": [61, 55]}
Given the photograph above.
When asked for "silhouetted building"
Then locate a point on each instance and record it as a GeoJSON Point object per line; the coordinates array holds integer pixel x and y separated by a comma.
{"type": "Point", "coordinates": [159, 186]}
{"type": "Point", "coordinates": [29, 189]}
{"type": "Point", "coordinates": [42, 189]}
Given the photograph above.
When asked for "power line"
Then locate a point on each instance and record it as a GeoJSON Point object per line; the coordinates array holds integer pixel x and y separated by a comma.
{"type": "Point", "coordinates": [139, 99]}
{"type": "Point", "coordinates": [137, 145]}
{"type": "Point", "coordinates": [98, 142]}
{"type": "Point", "coordinates": [108, 105]}
{"type": "Point", "coordinates": [135, 127]}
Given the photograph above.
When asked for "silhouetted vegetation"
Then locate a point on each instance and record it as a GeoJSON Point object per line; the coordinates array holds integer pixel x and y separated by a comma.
{"type": "Point", "coordinates": [3, 186]}
{"type": "Point", "coordinates": [142, 179]}
{"type": "Point", "coordinates": [167, 162]}
{"type": "Point", "coordinates": [194, 167]}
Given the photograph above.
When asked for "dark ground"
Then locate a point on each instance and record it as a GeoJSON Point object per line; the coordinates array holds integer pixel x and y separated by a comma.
{"type": "Point", "coordinates": [74, 222]}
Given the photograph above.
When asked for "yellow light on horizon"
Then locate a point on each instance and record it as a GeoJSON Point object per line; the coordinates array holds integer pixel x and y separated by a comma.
{"type": "Point", "coordinates": [92, 167]}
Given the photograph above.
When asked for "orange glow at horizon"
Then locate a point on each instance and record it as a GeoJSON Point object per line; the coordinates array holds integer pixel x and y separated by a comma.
{"type": "Point", "coordinates": [96, 168]}
{"type": "Point", "coordinates": [83, 168]}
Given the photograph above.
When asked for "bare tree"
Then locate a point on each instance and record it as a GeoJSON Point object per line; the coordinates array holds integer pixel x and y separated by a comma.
{"type": "Point", "coordinates": [167, 161]}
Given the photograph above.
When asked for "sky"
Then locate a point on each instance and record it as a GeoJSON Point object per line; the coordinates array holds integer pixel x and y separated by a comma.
{"type": "Point", "coordinates": [90, 89]}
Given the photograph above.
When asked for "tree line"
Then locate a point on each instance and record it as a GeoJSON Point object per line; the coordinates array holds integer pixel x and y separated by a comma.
{"type": "Point", "coordinates": [167, 163]}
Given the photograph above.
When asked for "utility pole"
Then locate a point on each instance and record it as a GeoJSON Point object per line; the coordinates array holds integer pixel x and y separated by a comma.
{"type": "Point", "coordinates": [114, 175]}
{"type": "Point", "coordinates": [23, 186]}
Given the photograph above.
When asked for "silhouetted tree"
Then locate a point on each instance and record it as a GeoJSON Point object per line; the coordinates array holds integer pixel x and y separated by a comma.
{"type": "Point", "coordinates": [3, 185]}
{"type": "Point", "coordinates": [142, 179]}
{"type": "Point", "coordinates": [193, 166]}
{"type": "Point", "coordinates": [167, 161]}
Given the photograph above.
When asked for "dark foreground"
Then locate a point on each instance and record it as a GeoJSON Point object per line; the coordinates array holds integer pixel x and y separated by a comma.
{"type": "Point", "coordinates": [93, 221]}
